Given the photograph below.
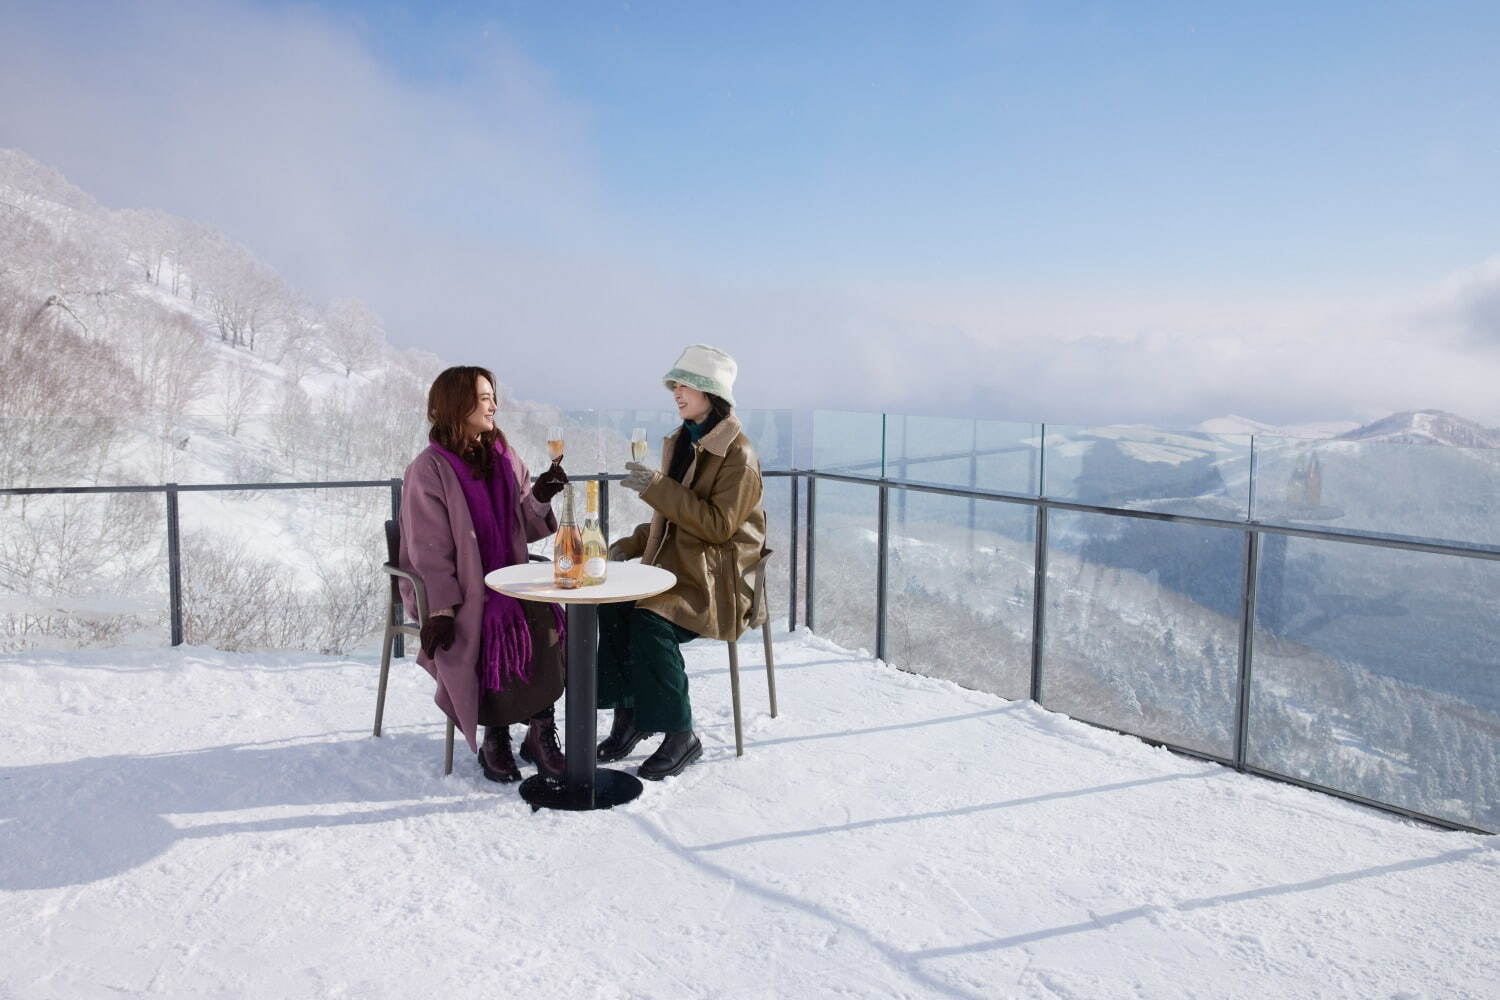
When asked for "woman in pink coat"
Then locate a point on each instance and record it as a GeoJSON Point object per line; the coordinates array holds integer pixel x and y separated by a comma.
{"type": "Point", "coordinates": [468, 507]}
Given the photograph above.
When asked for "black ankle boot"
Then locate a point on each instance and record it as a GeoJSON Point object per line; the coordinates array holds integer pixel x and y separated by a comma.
{"type": "Point", "coordinates": [540, 746]}
{"type": "Point", "coordinates": [495, 758]}
{"type": "Point", "coordinates": [622, 738]}
{"type": "Point", "coordinates": [676, 752]}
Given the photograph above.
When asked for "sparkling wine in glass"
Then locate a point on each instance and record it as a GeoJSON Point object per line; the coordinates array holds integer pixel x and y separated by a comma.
{"type": "Point", "coordinates": [555, 441]}
{"type": "Point", "coordinates": [638, 444]}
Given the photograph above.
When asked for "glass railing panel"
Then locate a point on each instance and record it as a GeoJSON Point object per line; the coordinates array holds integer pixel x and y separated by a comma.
{"type": "Point", "coordinates": [1142, 627]}
{"type": "Point", "coordinates": [845, 528]}
{"type": "Point", "coordinates": [961, 581]}
{"type": "Point", "coordinates": [584, 438]}
{"type": "Point", "coordinates": [284, 569]}
{"type": "Point", "coordinates": [616, 428]}
{"type": "Point", "coordinates": [847, 443]}
{"type": "Point", "coordinates": [967, 454]}
{"type": "Point", "coordinates": [1175, 472]}
{"type": "Point", "coordinates": [774, 434]}
{"type": "Point", "coordinates": [1426, 491]}
{"type": "Point", "coordinates": [777, 499]}
{"type": "Point", "coordinates": [83, 570]}
{"type": "Point", "coordinates": [1377, 672]}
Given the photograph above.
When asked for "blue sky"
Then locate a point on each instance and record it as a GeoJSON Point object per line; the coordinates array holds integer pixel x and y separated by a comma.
{"type": "Point", "coordinates": [1157, 143]}
{"type": "Point", "coordinates": [1064, 211]}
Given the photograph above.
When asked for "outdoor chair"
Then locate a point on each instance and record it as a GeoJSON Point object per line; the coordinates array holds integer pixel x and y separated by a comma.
{"type": "Point", "coordinates": [396, 628]}
{"type": "Point", "coordinates": [758, 610]}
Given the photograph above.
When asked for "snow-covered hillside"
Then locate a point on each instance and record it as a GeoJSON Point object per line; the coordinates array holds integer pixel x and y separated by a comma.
{"type": "Point", "coordinates": [140, 348]}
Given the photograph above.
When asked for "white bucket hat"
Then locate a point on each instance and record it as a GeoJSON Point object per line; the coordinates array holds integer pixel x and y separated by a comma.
{"type": "Point", "coordinates": [706, 369]}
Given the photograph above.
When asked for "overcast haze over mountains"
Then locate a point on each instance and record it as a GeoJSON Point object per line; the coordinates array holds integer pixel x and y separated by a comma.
{"type": "Point", "coordinates": [113, 257]}
{"type": "Point", "coordinates": [1024, 212]}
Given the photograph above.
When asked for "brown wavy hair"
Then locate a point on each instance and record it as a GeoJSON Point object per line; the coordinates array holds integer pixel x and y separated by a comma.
{"type": "Point", "coordinates": [453, 396]}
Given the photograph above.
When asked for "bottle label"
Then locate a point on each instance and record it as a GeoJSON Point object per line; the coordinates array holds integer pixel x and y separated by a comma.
{"type": "Point", "coordinates": [564, 563]}
{"type": "Point", "coordinates": [594, 567]}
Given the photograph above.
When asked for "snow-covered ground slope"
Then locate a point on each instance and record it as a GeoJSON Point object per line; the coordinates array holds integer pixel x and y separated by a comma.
{"type": "Point", "coordinates": [195, 823]}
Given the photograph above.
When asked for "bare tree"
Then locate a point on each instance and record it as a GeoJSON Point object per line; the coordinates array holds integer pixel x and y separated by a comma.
{"type": "Point", "coordinates": [240, 390]}
{"type": "Point", "coordinates": [243, 293]}
{"type": "Point", "coordinates": [148, 236]}
{"type": "Point", "coordinates": [291, 424]}
{"type": "Point", "coordinates": [171, 362]}
{"type": "Point", "coordinates": [50, 425]}
{"type": "Point", "coordinates": [353, 335]}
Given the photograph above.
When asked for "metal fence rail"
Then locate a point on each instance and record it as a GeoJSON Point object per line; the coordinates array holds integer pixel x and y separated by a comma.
{"type": "Point", "coordinates": [1252, 532]}
{"type": "Point", "coordinates": [803, 573]}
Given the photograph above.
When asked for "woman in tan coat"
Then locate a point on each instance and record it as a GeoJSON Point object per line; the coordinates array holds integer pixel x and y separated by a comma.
{"type": "Point", "coordinates": [709, 529]}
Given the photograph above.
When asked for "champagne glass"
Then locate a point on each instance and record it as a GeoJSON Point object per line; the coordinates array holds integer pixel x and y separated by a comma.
{"type": "Point", "coordinates": [638, 444]}
{"type": "Point", "coordinates": [555, 442]}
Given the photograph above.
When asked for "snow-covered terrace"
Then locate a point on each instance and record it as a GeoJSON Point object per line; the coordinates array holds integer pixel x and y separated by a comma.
{"type": "Point", "coordinates": [191, 823]}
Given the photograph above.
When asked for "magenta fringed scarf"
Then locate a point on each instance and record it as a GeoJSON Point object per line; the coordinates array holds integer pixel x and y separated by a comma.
{"type": "Point", "coordinates": [505, 650]}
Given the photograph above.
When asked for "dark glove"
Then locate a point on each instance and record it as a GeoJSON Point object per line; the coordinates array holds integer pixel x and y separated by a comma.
{"type": "Point", "coordinates": [437, 633]}
{"type": "Point", "coordinates": [550, 483]}
{"type": "Point", "coordinates": [638, 477]}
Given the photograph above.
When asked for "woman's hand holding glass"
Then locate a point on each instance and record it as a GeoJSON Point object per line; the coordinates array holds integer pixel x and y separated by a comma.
{"type": "Point", "coordinates": [638, 477]}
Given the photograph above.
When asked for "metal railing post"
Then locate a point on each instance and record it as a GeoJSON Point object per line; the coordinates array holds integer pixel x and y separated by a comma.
{"type": "Point", "coordinates": [604, 507]}
{"type": "Point", "coordinates": [1041, 463]}
{"type": "Point", "coordinates": [1250, 486]}
{"type": "Point", "coordinates": [1247, 647]}
{"type": "Point", "coordinates": [882, 567]}
{"type": "Point", "coordinates": [812, 549]}
{"type": "Point", "coordinates": [791, 601]}
{"type": "Point", "coordinates": [398, 646]}
{"type": "Point", "coordinates": [174, 564]}
{"type": "Point", "coordinates": [1039, 603]}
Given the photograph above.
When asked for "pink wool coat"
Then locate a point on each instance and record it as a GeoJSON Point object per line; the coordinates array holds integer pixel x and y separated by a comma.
{"type": "Point", "coordinates": [438, 545]}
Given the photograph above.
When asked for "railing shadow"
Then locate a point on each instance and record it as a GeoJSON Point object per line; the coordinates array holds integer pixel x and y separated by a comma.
{"type": "Point", "coordinates": [1188, 905]}
{"type": "Point", "coordinates": [83, 820]}
{"type": "Point", "coordinates": [902, 962]}
{"type": "Point", "coordinates": [892, 728]}
{"type": "Point", "coordinates": [957, 811]}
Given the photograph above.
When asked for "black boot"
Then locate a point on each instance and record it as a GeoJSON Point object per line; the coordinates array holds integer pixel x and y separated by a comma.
{"type": "Point", "coordinates": [540, 746]}
{"type": "Point", "coordinates": [622, 738]}
{"type": "Point", "coordinates": [676, 752]}
{"type": "Point", "coordinates": [495, 758]}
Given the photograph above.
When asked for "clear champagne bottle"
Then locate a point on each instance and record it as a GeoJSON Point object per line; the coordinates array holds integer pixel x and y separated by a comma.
{"type": "Point", "coordinates": [567, 547]}
{"type": "Point", "coordinates": [595, 551]}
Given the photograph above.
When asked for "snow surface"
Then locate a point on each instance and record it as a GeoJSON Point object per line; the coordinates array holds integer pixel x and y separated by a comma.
{"type": "Point", "coordinates": [202, 824]}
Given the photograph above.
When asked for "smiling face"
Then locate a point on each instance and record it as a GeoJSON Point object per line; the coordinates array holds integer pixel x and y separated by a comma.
{"type": "Point", "coordinates": [691, 404]}
{"type": "Point", "coordinates": [482, 417]}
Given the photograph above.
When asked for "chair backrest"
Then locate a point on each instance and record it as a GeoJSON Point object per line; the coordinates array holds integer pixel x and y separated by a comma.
{"type": "Point", "coordinates": [393, 542]}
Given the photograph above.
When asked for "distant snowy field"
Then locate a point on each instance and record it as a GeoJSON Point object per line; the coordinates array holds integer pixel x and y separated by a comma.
{"type": "Point", "coordinates": [191, 823]}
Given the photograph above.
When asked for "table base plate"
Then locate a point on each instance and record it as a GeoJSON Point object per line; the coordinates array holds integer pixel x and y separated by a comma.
{"type": "Point", "coordinates": [611, 788]}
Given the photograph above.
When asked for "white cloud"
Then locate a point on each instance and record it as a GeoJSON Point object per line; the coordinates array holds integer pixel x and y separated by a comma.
{"type": "Point", "coordinates": [472, 215]}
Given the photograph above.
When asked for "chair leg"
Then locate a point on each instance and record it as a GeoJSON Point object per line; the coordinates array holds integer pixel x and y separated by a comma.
{"type": "Point", "coordinates": [448, 751]}
{"type": "Point", "coordinates": [765, 633]}
{"type": "Point", "coordinates": [734, 691]}
{"type": "Point", "coordinates": [385, 673]}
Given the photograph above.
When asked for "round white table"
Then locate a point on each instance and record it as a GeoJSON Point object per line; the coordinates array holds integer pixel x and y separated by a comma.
{"type": "Point", "coordinates": [584, 786]}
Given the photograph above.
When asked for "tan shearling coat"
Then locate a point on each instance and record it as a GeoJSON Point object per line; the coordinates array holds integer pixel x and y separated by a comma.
{"type": "Point", "coordinates": [708, 530]}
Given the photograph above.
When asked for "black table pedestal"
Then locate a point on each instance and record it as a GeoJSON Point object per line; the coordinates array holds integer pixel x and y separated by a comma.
{"type": "Point", "coordinates": [584, 786]}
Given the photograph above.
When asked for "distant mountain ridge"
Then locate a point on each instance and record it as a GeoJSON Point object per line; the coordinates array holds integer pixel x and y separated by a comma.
{"type": "Point", "coordinates": [1427, 427]}
{"type": "Point", "coordinates": [1408, 427]}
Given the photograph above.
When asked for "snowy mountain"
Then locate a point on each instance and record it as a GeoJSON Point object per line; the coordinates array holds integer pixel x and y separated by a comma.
{"type": "Point", "coordinates": [1426, 427]}
{"type": "Point", "coordinates": [1410, 427]}
{"type": "Point", "coordinates": [1237, 425]}
{"type": "Point", "coordinates": [141, 348]}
